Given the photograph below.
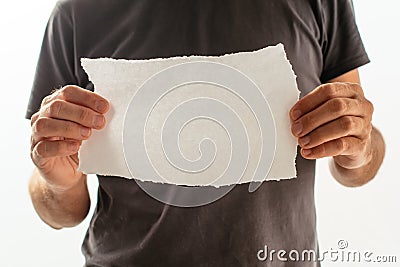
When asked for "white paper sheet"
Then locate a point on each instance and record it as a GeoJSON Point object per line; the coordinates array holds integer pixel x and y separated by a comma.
{"type": "Point", "coordinates": [195, 120]}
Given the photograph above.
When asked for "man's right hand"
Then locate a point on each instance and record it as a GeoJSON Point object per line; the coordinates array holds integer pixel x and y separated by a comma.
{"type": "Point", "coordinates": [65, 118]}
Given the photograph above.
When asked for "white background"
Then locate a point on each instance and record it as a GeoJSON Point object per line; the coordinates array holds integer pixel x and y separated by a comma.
{"type": "Point", "coordinates": [366, 217]}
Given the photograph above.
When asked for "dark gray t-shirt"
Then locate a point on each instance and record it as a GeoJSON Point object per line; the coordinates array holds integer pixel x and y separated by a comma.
{"type": "Point", "coordinates": [130, 228]}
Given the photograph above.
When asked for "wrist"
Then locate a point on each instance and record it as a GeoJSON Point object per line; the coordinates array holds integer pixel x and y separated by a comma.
{"type": "Point", "coordinates": [62, 187]}
{"type": "Point", "coordinates": [358, 175]}
{"type": "Point", "coordinates": [58, 206]}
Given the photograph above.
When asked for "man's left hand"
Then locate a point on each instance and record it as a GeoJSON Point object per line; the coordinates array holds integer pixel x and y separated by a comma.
{"type": "Point", "coordinates": [334, 120]}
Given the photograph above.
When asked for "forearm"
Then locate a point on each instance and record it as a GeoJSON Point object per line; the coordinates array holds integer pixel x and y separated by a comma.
{"type": "Point", "coordinates": [362, 175]}
{"type": "Point", "coordinates": [57, 208]}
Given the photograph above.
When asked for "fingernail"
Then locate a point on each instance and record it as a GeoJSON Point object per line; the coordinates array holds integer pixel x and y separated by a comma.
{"type": "Point", "coordinates": [73, 147]}
{"type": "Point", "coordinates": [101, 105]}
{"type": "Point", "coordinates": [297, 128]}
{"type": "Point", "coordinates": [304, 141]}
{"type": "Point", "coordinates": [85, 132]}
{"type": "Point", "coordinates": [306, 152]}
{"type": "Point", "coordinates": [98, 121]}
{"type": "Point", "coordinates": [296, 114]}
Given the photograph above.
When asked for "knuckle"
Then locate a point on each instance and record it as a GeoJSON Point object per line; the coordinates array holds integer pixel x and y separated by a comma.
{"type": "Point", "coordinates": [366, 132]}
{"type": "Point", "coordinates": [34, 118]}
{"type": "Point", "coordinates": [347, 124]}
{"type": "Point", "coordinates": [319, 137]}
{"type": "Point", "coordinates": [370, 106]}
{"type": "Point", "coordinates": [308, 121]}
{"type": "Point", "coordinates": [40, 125]}
{"type": "Point", "coordinates": [68, 128]}
{"type": "Point", "coordinates": [357, 88]}
{"type": "Point", "coordinates": [321, 151]}
{"type": "Point", "coordinates": [67, 91]}
{"type": "Point", "coordinates": [83, 115]}
{"type": "Point", "coordinates": [339, 145]}
{"type": "Point", "coordinates": [316, 139]}
{"type": "Point", "coordinates": [337, 106]}
{"type": "Point", "coordinates": [46, 100]}
{"type": "Point", "coordinates": [330, 91]}
{"type": "Point", "coordinates": [54, 108]}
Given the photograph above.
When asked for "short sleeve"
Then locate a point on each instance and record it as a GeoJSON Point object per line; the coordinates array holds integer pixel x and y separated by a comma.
{"type": "Point", "coordinates": [55, 67]}
{"type": "Point", "coordinates": [343, 49]}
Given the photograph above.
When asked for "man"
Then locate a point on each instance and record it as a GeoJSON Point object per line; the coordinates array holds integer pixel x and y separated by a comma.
{"type": "Point", "coordinates": [129, 228]}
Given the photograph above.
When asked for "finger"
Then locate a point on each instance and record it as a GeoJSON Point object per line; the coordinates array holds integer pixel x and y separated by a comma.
{"type": "Point", "coordinates": [47, 149]}
{"type": "Point", "coordinates": [322, 94]}
{"type": "Point", "coordinates": [80, 96]}
{"type": "Point", "coordinates": [342, 127]}
{"type": "Point", "coordinates": [34, 140]}
{"type": "Point", "coordinates": [342, 146]}
{"type": "Point", "coordinates": [47, 127]}
{"type": "Point", "coordinates": [34, 118]}
{"type": "Point", "coordinates": [329, 111]}
{"type": "Point", "coordinates": [61, 109]}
